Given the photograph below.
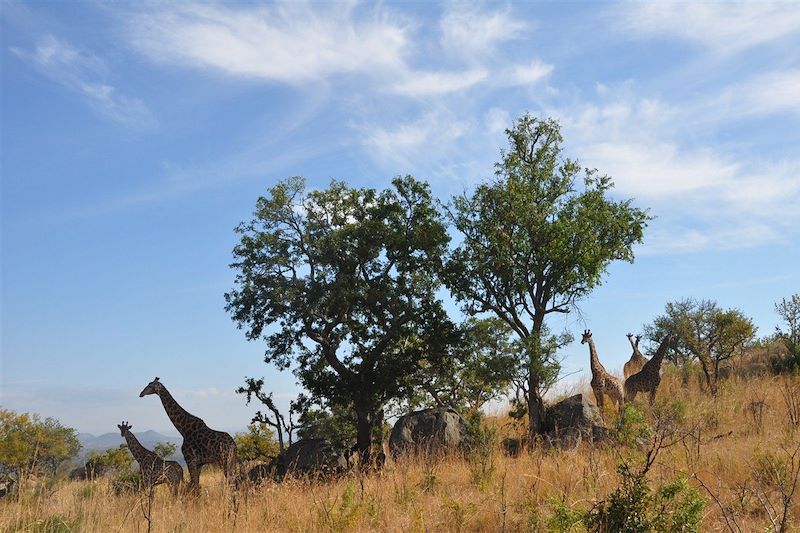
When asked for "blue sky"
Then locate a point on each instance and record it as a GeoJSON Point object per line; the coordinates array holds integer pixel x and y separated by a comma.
{"type": "Point", "coordinates": [135, 136]}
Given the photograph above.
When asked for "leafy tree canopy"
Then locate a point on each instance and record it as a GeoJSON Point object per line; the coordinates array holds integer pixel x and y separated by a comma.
{"type": "Point", "coordinates": [701, 330]}
{"type": "Point", "coordinates": [30, 445]}
{"type": "Point", "coordinates": [341, 284]}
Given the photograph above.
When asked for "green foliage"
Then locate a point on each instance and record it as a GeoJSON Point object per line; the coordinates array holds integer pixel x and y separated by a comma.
{"type": "Point", "coordinates": [789, 312]}
{"type": "Point", "coordinates": [256, 444]}
{"type": "Point", "coordinates": [349, 278]}
{"type": "Point", "coordinates": [336, 424]}
{"type": "Point", "coordinates": [30, 445]}
{"type": "Point", "coordinates": [112, 460]}
{"type": "Point", "coordinates": [564, 519]}
{"type": "Point", "coordinates": [630, 427]}
{"type": "Point", "coordinates": [165, 449]}
{"type": "Point", "coordinates": [701, 330]}
{"type": "Point", "coordinates": [127, 482]}
{"type": "Point", "coordinates": [537, 240]}
{"type": "Point", "coordinates": [635, 507]}
{"type": "Point", "coordinates": [480, 444]}
{"type": "Point", "coordinates": [483, 367]}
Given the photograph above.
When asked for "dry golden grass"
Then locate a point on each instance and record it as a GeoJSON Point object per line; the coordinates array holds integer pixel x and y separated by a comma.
{"type": "Point", "coordinates": [747, 426]}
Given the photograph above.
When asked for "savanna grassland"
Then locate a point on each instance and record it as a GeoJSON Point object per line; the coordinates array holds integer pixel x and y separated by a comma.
{"type": "Point", "coordinates": [729, 463]}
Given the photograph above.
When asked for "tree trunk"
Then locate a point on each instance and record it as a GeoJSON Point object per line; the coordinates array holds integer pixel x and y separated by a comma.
{"type": "Point", "coordinates": [710, 374]}
{"type": "Point", "coordinates": [364, 422]}
{"type": "Point", "coordinates": [535, 400]}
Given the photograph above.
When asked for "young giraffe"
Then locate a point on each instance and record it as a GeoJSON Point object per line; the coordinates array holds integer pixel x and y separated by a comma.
{"type": "Point", "coordinates": [649, 377]}
{"type": "Point", "coordinates": [603, 383]}
{"type": "Point", "coordinates": [201, 444]}
{"type": "Point", "coordinates": [155, 470]}
{"type": "Point", "coordinates": [637, 360]}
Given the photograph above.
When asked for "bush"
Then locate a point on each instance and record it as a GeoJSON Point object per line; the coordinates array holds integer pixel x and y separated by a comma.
{"type": "Point", "coordinates": [635, 508]}
{"type": "Point", "coordinates": [127, 482]}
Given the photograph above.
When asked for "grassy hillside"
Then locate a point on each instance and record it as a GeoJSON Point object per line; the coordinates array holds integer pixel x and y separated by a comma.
{"type": "Point", "coordinates": [736, 458]}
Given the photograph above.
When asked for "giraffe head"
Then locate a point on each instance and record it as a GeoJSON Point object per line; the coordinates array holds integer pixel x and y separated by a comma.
{"type": "Point", "coordinates": [629, 335]}
{"type": "Point", "coordinates": [123, 428]}
{"type": "Point", "coordinates": [587, 336]}
{"type": "Point", "coordinates": [154, 387]}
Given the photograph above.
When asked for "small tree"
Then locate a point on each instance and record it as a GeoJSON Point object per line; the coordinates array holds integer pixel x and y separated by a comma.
{"type": "Point", "coordinates": [254, 387]}
{"type": "Point", "coordinates": [342, 283]}
{"type": "Point", "coordinates": [536, 241]}
{"type": "Point", "coordinates": [165, 449]}
{"type": "Point", "coordinates": [701, 330]}
{"type": "Point", "coordinates": [118, 460]}
{"type": "Point", "coordinates": [789, 311]}
{"type": "Point", "coordinates": [31, 446]}
{"type": "Point", "coordinates": [257, 444]}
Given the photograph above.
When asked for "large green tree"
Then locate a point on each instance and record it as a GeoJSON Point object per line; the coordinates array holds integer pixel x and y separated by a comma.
{"type": "Point", "coordinates": [536, 240]}
{"type": "Point", "coordinates": [341, 284]}
{"type": "Point", "coordinates": [701, 330]}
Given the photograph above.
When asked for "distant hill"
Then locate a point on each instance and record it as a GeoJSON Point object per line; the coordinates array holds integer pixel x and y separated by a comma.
{"type": "Point", "coordinates": [105, 441]}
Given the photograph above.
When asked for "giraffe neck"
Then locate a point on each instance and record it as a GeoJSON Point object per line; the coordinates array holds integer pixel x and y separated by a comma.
{"type": "Point", "coordinates": [594, 360]}
{"type": "Point", "coordinates": [137, 450]}
{"type": "Point", "coordinates": [633, 345]}
{"type": "Point", "coordinates": [180, 417]}
{"type": "Point", "coordinates": [654, 364]}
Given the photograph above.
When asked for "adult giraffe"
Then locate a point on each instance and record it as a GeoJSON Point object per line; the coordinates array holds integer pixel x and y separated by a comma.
{"type": "Point", "coordinates": [201, 444]}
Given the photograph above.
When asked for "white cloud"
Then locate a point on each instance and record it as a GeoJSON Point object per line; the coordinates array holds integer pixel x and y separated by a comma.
{"type": "Point", "coordinates": [723, 26]}
{"type": "Point", "coordinates": [469, 32]}
{"type": "Point", "coordinates": [435, 83]}
{"type": "Point", "coordinates": [287, 42]}
{"type": "Point", "coordinates": [413, 143]}
{"type": "Point", "coordinates": [529, 74]}
{"type": "Point", "coordinates": [766, 94]}
{"type": "Point", "coordinates": [83, 72]}
{"type": "Point", "coordinates": [703, 196]}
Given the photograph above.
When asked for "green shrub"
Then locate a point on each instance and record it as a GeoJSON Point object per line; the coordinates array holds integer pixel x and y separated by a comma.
{"type": "Point", "coordinates": [635, 508]}
{"type": "Point", "coordinates": [127, 482]}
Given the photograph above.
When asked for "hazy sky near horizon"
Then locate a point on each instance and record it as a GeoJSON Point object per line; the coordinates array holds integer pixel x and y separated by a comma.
{"type": "Point", "coordinates": [135, 136]}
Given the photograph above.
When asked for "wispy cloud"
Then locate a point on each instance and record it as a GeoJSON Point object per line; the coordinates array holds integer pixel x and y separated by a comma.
{"type": "Point", "coordinates": [529, 74]}
{"type": "Point", "coordinates": [84, 73]}
{"type": "Point", "coordinates": [725, 27]}
{"type": "Point", "coordinates": [705, 197]}
{"type": "Point", "coordinates": [471, 33]}
{"type": "Point", "coordinates": [287, 42]}
{"type": "Point", "coordinates": [766, 94]}
{"type": "Point", "coordinates": [435, 83]}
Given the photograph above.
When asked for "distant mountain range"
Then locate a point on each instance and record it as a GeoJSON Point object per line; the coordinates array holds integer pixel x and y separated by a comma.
{"type": "Point", "coordinates": [105, 441]}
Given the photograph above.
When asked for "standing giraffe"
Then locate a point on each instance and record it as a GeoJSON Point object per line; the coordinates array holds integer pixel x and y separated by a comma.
{"type": "Point", "coordinates": [201, 444]}
{"type": "Point", "coordinates": [154, 469]}
{"type": "Point", "coordinates": [649, 377]}
{"type": "Point", "coordinates": [637, 360]}
{"type": "Point", "coordinates": [603, 383]}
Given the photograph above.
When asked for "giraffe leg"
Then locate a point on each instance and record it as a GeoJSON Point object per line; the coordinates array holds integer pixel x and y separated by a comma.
{"type": "Point", "coordinates": [652, 395]}
{"type": "Point", "coordinates": [601, 400]}
{"type": "Point", "coordinates": [194, 477]}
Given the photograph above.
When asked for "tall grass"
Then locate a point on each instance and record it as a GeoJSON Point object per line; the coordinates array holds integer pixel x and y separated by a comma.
{"type": "Point", "coordinates": [739, 450]}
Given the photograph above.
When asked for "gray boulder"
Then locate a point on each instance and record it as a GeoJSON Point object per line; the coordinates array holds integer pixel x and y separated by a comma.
{"type": "Point", "coordinates": [572, 420]}
{"type": "Point", "coordinates": [428, 431]}
{"type": "Point", "coordinates": [314, 457]}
